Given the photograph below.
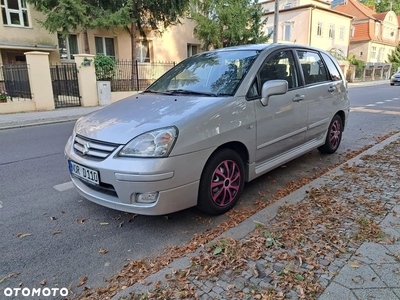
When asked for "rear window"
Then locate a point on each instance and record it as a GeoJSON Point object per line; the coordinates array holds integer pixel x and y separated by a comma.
{"type": "Point", "coordinates": [333, 70]}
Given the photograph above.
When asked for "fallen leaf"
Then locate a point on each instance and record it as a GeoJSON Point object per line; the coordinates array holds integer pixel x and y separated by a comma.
{"type": "Point", "coordinates": [56, 232]}
{"type": "Point", "coordinates": [230, 287]}
{"type": "Point", "coordinates": [103, 223]}
{"type": "Point", "coordinates": [53, 218]}
{"type": "Point", "coordinates": [81, 220]}
{"type": "Point", "coordinates": [354, 265]}
{"type": "Point", "coordinates": [9, 276]}
{"type": "Point", "coordinates": [43, 282]}
{"type": "Point", "coordinates": [103, 251]}
{"type": "Point", "coordinates": [121, 224]}
{"type": "Point", "coordinates": [254, 270]}
{"type": "Point", "coordinates": [22, 235]}
{"type": "Point", "coordinates": [82, 281]}
{"type": "Point", "coordinates": [299, 277]}
{"type": "Point", "coordinates": [132, 217]}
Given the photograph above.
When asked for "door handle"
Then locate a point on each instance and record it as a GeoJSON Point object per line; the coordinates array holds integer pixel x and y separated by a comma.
{"type": "Point", "coordinates": [331, 89]}
{"type": "Point", "coordinates": [298, 98]}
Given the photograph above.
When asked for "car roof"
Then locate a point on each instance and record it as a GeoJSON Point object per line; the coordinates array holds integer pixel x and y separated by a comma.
{"type": "Point", "coordinates": [262, 47]}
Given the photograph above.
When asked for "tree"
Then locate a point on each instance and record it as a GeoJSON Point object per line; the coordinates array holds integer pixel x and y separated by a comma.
{"type": "Point", "coordinates": [383, 5]}
{"type": "Point", "coordinates": [131, 15]}
{"type": "Point", "coordinates": [228, 23]}
{"type": "Point", "coordinates": [394, 58]}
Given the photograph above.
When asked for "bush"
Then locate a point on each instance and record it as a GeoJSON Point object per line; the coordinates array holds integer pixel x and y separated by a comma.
{"type": "Point", "coordinates": [104, 67]}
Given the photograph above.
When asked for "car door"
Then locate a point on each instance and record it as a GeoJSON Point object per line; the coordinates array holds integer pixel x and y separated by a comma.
{"type": "Point", "coordinates": [282, 123]}
{"type": "Point", "coordinates": [319, 91]}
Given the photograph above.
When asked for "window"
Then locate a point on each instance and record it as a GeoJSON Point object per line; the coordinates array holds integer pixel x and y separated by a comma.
{"type": "Point", "coordinates": [313, 67]}
{"type": "Point", "coordinates": [105, 45]}
{"type": "Point", "coordinates": [143, 51]}
{"type": "Point", "coordinates": [68, 46]}
{"type": "Point", "coordinates": [14, 13]}
{"type": "Point", "coordinates": [373, 52]}
{"type": "Point", "coordinates": [319, 29]}
{"type": "Point", "coordinates": [280, 65]}
{"type": "Point", "coordinates": [377, 27]}
{"type": "Point", "coordinates": [192, 50]}
{"type": "Point", "coordinates": [352, 32]}
{"type": "Point", "coordinates": [289, 5]}
{"type": "Point", "coordinates": [333, 70]}
{"type": "Point", "coordinates": [286, 32]}
{"type": "Point", "coordinates": [341, 33]}
{"type": "Point", "coordinates": [332, 31]}
{"type": "Point", "coordinates": [270, 30]}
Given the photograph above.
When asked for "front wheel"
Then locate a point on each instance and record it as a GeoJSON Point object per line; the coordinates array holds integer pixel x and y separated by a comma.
{"type": "Point", "coordinates": [333, 137]}
{"type": "Point", "coordinates": [221, 182]}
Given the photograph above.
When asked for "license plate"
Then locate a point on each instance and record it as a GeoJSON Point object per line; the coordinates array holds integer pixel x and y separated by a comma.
{"type": "Point", "coordinates": [84, 173]}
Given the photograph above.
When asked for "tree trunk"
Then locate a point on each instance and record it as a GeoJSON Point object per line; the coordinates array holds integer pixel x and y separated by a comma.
{"type": "Point", "coordinates": [86, 42]}
{"type": "Point", "coordinates": [134, 74]}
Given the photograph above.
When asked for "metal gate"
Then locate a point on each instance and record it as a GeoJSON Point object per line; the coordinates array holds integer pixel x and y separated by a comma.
{"type": "Point", "coordinates": [64, 79]}
{"type": "Point", "coordinates": [16, 81]}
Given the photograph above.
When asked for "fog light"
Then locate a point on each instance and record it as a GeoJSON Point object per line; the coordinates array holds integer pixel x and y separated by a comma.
{"type": "Point", "coordinates": [147, 197]}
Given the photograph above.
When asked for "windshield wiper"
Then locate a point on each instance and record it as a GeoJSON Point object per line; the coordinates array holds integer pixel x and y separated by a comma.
{"type": "Point", "coordinates": [181, 91]}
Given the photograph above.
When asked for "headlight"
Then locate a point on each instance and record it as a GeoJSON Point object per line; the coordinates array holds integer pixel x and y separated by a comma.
{"type": "Point", "coordinates": [157, 143]}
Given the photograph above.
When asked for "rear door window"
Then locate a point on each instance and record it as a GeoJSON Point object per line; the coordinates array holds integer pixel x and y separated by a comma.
{"type": "Point", "coordinates": [313, 67]}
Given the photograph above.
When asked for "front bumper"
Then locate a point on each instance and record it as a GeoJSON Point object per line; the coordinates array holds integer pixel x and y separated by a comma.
{"type": "Point", "coordinates": [176, 179]}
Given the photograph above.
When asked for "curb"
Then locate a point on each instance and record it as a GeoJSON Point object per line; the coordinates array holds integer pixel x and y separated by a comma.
{"type": "Point", "coordinates": [247, 226]}
{"type": "Point", "coordinates": [14, 125]}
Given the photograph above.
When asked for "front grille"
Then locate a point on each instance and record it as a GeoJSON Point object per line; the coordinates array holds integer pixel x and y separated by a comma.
{"type": "Point", "coordinates": [92, 148]}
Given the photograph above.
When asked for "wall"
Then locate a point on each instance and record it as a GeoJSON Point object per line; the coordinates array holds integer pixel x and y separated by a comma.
{"type": "Point", "coordinates": [16, 40]}
{"type": "Point", "coordinates": [325, 42]}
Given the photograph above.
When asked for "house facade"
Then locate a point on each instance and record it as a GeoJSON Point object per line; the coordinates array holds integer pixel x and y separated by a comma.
{"type": "Point", "coordinates": [373, 35]}
{"type": "Point", "coordinates": [310, 22]}
{"type": "Point", "coordinates": [20, 32]}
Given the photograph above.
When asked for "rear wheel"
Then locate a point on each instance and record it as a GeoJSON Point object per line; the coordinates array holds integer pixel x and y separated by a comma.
{"type": "Point", "coordinates": [333, 137]}
{"type": "Point", "coordinates": [221, 182]}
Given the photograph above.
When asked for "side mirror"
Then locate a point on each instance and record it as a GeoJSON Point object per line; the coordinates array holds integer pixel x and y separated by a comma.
{"type": "Point", "coordinates": [271, 88]}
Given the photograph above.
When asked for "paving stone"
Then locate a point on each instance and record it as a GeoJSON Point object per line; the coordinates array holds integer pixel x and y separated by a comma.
{"type": "Point", "coordinates": [397, 292]}
{"type": "Point", "coordinates": [384, 294]}
{"type": "Point", "coordinates": [389, 273]}
{"type": "Point", "coordinates": [372, 252]}
{"type": "Point", "coordinates": [337, 292]}
{"type": "Point", "coordinates": [361, 277]}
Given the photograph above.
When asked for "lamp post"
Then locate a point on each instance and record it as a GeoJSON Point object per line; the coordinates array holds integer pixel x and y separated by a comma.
{"type": "Point", "coordinates": [276, 18]}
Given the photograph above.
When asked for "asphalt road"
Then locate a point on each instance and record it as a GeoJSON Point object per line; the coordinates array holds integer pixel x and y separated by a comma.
{"type": "Point", "coordinates": [62, 233]}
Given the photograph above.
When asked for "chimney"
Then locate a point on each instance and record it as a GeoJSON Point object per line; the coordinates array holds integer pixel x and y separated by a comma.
{"type": "Point", "coordinates": [372, 7]}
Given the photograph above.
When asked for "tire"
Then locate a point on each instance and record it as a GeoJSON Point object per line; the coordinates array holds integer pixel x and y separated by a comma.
{"type": "Point", "coordinates": [392, 84]}
{"type": "Point", "coordinates": [333, 136]}
{"type": "Point", "coordinates": [221, 182]}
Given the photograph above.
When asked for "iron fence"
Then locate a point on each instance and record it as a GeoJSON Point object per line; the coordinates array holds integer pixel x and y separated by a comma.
{"type": "Point", "coordinates": [133, 76]}
{"type": "Point", "coordinates": [14, 80]}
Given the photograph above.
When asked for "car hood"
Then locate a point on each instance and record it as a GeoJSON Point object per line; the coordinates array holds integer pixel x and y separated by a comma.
{"type": "Point", "coordinates": [125, 119]}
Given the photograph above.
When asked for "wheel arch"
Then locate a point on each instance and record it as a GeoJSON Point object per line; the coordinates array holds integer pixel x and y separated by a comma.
{"type": "Point", "coordinates": [342, 115]}
{"type": "Point", "coordinates": [239, 148]}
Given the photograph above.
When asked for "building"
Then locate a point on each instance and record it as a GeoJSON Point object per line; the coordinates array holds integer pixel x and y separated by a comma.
{"type": "Point", "coordinates": [310, 22]}
{"type": "Point", "coordinates": [373, 35]}
{"type": "Point", "coordinates": [20, 32]}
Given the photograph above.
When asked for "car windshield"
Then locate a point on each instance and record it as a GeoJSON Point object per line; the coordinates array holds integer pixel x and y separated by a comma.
{"type": "Point", "coordinates": [209, 74]}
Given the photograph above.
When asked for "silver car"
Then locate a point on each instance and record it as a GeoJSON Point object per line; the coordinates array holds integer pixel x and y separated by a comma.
{"type": "Point", "coordinates": [210, 124]}
{"type": "Point", "coordinates": [395, 79]}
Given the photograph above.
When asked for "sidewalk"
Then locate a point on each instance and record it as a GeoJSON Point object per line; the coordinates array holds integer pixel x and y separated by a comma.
{"type": "Point", "coordinates": [335, 238]}
{"type": "Point", "coordinates": [17, 120]}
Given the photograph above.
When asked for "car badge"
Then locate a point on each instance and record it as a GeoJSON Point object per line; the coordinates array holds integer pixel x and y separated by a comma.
{"type": "Point", "coordinates": [86, 148]}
